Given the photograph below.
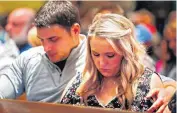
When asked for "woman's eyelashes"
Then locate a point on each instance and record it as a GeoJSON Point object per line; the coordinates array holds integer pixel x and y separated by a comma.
{"type": "Point", "coordinates": [95, 54]}
{"type": "Point", "coordinates": [109, 55]}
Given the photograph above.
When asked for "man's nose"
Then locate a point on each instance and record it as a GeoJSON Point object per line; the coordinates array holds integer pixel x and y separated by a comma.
{"type": "Point", "coordinates": [47, 47]}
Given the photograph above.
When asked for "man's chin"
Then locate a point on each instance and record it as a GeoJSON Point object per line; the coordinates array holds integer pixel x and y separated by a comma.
{"type": "Point", "coordinates": [53, 60]}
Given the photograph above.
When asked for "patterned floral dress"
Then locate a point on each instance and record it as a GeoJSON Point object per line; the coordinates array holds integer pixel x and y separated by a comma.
{"type": "Point", "coordinates": [139, 103]}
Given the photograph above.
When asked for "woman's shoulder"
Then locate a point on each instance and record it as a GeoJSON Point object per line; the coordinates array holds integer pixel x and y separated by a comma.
{"type": "Point", "coordinates": [146, 82]}
{"type": "Point", "coordinates": [145, 77]}
{"type": "Point", "coordinates": [147, 72]}
{"type": "Point", "coordinates": [143, 87]}
{"type": "Point", "coordinates": [148, 78]}
{"type": "Point", "coordinates": [153, 78]}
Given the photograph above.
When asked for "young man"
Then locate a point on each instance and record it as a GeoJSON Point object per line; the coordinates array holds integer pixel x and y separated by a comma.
{"type": "Point", "coordinates": [43, 72]}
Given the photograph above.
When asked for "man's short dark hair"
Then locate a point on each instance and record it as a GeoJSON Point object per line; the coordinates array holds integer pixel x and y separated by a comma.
{"type": "Point", "coordinates": [63, 13]}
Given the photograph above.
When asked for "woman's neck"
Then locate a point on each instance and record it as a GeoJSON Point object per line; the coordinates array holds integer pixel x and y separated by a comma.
{"type": "Point", "coordinates": [109, 81]}
{"type": "Point", "coordinates": [108, 90]}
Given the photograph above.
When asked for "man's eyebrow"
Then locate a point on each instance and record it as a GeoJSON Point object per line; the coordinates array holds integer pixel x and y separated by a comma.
{"type": "Point", "coordinates": [48, 37]}
{"type": "Point", "coordinates": [52, 37]}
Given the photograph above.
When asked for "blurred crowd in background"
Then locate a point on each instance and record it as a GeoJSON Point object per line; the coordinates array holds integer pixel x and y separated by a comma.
{"type": "Point", "coordinates": [155, 23]}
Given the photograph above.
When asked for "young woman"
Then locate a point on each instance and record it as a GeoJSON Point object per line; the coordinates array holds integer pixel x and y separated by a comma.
{"type": "Point", "coordinates": [114, 76]}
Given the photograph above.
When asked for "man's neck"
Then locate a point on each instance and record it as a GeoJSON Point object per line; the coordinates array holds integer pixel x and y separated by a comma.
{"type": "Point", "coordinates": [61, 64]}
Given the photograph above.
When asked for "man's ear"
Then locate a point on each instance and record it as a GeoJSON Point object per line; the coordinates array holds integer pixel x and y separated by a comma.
{"type": "Point", "coordinates": [75, 30]}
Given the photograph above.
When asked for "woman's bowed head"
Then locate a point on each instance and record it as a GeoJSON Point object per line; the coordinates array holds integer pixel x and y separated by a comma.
{"type": "Point", "coordinates": [114, 60]}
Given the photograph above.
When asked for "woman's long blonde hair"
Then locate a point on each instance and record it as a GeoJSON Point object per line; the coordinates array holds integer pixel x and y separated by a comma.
{"type": "Point", "coordinates": [119, 32]}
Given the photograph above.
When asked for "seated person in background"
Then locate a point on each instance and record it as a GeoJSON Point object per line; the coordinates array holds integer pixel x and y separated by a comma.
{"type": "Point", "coordinates": [18, 24]}
{"type": "Point", "coordinates": [114, 76]}
{"type": "Point", "coordinates": [144, 36]}
{"type": "Point", "coordinates": [8, 48]}
{"type": "Point", "coordinates": [168, 45]}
